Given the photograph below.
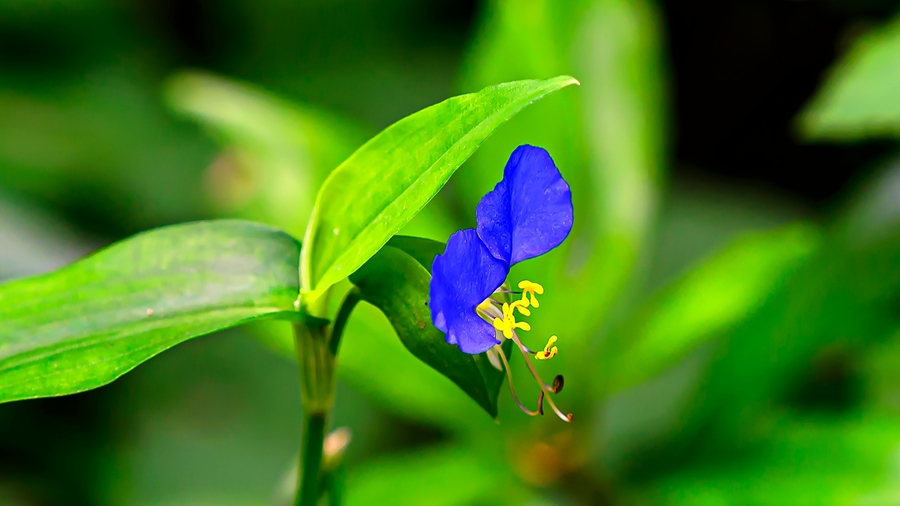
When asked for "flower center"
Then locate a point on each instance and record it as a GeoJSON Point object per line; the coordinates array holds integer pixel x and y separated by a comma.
{"type": "Point", "coordinates": [508, 324]}
{"type": "Point", "coordinates": [503, 317]}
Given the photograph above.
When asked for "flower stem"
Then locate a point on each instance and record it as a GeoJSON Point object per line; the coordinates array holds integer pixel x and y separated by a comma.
{"type": "Point", "coordinates": [316, 364]}
{"type": "Point", "coordinates": [317, 344]}
{"type": "Point", "coordinates": [340, 322]}
{"type": "Point", "coordinates": [311, 458]}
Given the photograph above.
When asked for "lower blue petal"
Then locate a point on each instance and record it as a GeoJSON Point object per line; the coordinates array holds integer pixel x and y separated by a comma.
{"type": "Point", "coordinates": [461, 278]}
{"type": "Point", "coordinates": [530, 211]}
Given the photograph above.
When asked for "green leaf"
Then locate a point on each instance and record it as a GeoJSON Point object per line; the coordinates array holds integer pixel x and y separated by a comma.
{"type": "Point", "coordinates": [85, 325]}
{"type": "Point", "coordinates": [376, 191]}
{"type": "Point", "coordinates": [396, 281]}
{"type": "Point", "coordinates": [859, 98]}
{"type": "Point", "coordinates": [707, 300]}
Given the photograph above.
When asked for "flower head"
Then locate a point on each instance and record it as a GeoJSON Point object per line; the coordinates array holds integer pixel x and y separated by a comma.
{"type": "Point", "coordinates": [528, 213]}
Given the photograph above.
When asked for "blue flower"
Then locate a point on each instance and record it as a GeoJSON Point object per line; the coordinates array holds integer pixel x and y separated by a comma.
{"type": "Point", "coordinates": [527, 214]}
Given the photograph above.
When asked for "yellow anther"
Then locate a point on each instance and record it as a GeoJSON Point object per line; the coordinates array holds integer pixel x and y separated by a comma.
{"type": "Point", "coordinates": [521, 306]}
{"type": "Point", "coordinates": [549, 352]}
{"type": "Point", "coordinates": [530, 288]}
{"type": "Point", "coordinates": [508, 323]}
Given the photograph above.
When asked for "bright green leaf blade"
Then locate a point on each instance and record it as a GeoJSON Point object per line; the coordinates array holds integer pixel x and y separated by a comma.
{"type": "Point", "coordinates": [859, 99]}
{"type": "Point", "coordinates": [397, 283]}
{"type": "Point", "coordinates": [421, 250]}
{"type": "Point", "coordinates": [85, 325]}
{"type": "Point", "coordinates": [709, 299]}
{"type": "Point", "coordinates": [388, 180]}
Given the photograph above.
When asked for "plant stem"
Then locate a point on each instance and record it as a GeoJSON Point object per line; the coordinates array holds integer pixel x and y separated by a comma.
{"type": "Point", "coordinates": [334, 484]}
{"type": "Point", "coordinates": [350, 300]}
{"type": "Point", "coordinates": [317, 394]}
{"type": "Point", "coordinates": [311, 458]}
{"type": "Point", "coordinates": [317, 345]}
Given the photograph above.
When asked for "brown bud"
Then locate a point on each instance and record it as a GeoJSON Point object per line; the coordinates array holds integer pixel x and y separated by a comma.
{"type": "Point", "coordinates": [558, 383]}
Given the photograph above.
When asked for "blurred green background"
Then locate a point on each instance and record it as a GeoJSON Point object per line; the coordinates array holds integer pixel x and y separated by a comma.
{"type": "Point", "coordinates": [728, 305]}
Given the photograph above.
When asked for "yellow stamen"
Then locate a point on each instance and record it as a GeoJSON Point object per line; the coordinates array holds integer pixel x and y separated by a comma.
{"type": "Point", "coordinates": [549, 352]}
{"type": "Point", "coordinates": [523, 308]}
{"type": "Point", "coordinates": [509, 324]}
{"type": "Point", "coordinates": [530, 288]}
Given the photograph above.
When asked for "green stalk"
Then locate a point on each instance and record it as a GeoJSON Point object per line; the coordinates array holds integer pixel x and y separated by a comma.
{"type": "Point", "coordinates": [352, 298]}
{"type": "Point", "coordinates": [317, 344]}
{"type": "Point", "coordinates": [316, 363]}
{"type": "Point", "coordinates": [311, 458]}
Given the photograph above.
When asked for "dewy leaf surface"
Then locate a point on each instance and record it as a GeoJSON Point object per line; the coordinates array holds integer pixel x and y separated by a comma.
{"type": "Point", "coordinates": [376, 191]}
{"type": "Point", "coordinates": [85, 325]}
{"type": "Point", "coordinates": [396, 281]}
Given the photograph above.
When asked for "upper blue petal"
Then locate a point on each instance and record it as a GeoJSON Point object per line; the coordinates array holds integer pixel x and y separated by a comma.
{"type": "Point", "coordinates": [529, 212]}
{"type": "Point", "coordinates": [462, 278]}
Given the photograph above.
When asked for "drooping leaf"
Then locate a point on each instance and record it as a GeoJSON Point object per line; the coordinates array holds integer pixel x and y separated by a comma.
{"type": "Point", "coordinates": [396, 281]}
{"type": "Point", "coordinates": [376, 191]}
{"type": "Point", "coordinates": [859, 98]}
{"type": "Point", "coordinates": [421, 250]}
{"type": "Point", "coordinates": [85, 325]}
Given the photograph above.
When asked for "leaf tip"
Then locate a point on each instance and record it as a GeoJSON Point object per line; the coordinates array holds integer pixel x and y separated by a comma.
{"type": "Point", "coordinates": [567, 80]}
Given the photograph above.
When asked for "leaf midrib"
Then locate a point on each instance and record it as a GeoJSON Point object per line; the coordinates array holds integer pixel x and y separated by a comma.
{"type": "Point", "coordinates": [415, 184]}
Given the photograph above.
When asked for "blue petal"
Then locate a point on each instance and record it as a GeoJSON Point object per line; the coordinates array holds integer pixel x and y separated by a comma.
{"type": "Point", "coordinates": [529, 212]}
{"type": "Point", "coordinates": [462, 278]}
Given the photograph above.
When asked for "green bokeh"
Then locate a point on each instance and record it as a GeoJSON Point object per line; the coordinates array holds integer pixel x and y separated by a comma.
{"type": "Point", "coordinates": [721, 343]}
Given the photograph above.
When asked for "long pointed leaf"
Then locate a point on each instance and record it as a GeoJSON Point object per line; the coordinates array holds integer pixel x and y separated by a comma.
{"type": "Point", "coordinates": [85, 325]}
{"type": "Point", "coordinates": [376, 191]}
{"type": "Point", "coordinates": [396, 281]}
